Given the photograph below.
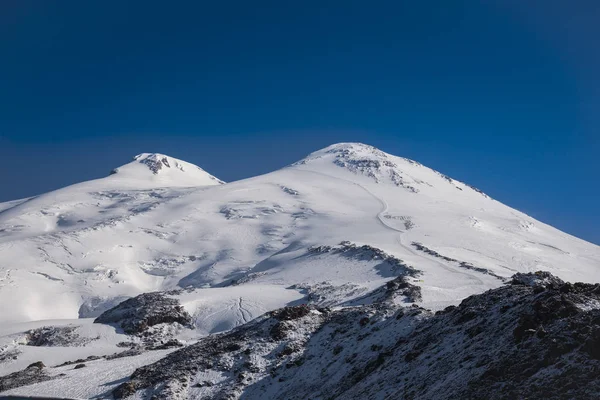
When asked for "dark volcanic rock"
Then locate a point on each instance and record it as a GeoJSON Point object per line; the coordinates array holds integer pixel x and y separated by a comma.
{"type": "Point", "coordinates": [50, 336]}
{"type": "Point", "coordinates": [155, 163]}
{"type": "Point", "coordinates": [137, 314]}
{"type": "Point", "coordinates": [226, 353]}
{"type": "Point", "coordinates": [462, 264]}
{"type": "Point", "coordinates": [34, 373]}
{"type": "Point", "coordinates": [37, 364]}
{"type": "Point", "coordinates": [400, 286]}
{"type": "Point", "coordinates": [366, 252]}
{"type": "Point", "coordinates": [80, 361]}
{"type": "Point", "coordinates": [541, 279]}
{"type": "Point", "coordinates": [290, 313]}
{"type": "Point", "coordinates": [536, 337]}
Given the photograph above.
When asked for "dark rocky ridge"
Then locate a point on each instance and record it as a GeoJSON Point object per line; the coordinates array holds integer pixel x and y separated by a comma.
{"type": "Point", "coordinates": [535, 337]}
{"type": "Point", "coordinates": [138, 314]}
{"type": "Point", "coordinates": [51, 336]}
{"type": "Point", "coordinates": [369, 253]}
{"type": "Point", "coordinates": [155, 163]}
{"type": "Point", "coordinates": [461, 264]}
{"type": "Point", "coordinates": [34, 373]}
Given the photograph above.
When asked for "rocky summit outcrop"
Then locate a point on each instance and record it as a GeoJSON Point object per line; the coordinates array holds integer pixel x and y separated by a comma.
{"type": "Point", "coordinates": [139, 313]}
{"type": "Point", "coordinates": [535, 337]}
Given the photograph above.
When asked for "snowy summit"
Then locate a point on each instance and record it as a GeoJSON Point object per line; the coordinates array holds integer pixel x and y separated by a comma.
{"type": "Point", "coordinates": [349, 227]}
{"type": "Point", "coordinates": [165, 170]}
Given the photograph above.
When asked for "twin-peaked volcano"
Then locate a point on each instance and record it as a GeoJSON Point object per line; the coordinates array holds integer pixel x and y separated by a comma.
{"type": "Point", "coordinates": [349, 225]}
{"type": "Point", "coordinates": [159, 223]}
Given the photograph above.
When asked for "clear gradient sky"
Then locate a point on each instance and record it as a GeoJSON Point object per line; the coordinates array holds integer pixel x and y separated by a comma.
{"type": "Point", "coordinates": [503, 95]}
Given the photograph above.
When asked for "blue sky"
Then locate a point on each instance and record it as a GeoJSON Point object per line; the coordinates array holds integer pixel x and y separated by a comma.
{"type": "Point", "coordinates": [503, 95]}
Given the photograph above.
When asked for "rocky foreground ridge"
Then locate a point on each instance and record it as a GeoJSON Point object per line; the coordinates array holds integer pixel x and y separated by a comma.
{"type": "Point", "coordinates": [535, 337]}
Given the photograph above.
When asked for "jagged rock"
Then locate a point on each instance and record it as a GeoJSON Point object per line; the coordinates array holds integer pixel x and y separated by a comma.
{"type": "Point", "coordinates": [400, 286]}
{"type": "Point", "coordinates": [510, 342]}
{"type": "Point", "coordinates": [284, 317]}
{"type": "Point", "coordinates": [462, 264]}
{"type": "Point", "coordinates": [167, 345]}
{"type": "Point", "coordinates": [175, 373]}
{"type": "Point", "coordinates": [138, 314]}
{"type": "Point", "coordinates": [290, 313]}
{"type": "Point", "coordinates": [366, 252]}
{"type": "Point", "coordinates": [124, 390]}
{"type": "Point", "coordinates": [539, 278]}
{"type": "Point", "coordinates": [80, 361]}
{"type": "Point", "coordinates": [127, 353]}
{"type": "Point", "coordinates": [37, 364]}
{"type": "Point", "coordinates": [9, 353]}
{"type": "Point", "coordinates": [369, 161]}
{"type": "Point", "coordinates": [155, 162]}
{"type": "Point", "coordinates": [34, 373]}
{"type": "Point", "coordinates": [50, 336]}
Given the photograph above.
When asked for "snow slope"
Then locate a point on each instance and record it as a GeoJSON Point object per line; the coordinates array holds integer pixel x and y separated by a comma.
{"type": "Point", "coordinates": [330, 230]}
{"type": "Point", "coordinates": [159, 223]}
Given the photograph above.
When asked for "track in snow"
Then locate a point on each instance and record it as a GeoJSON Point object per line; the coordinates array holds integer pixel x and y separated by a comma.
{"type": "Point", "coordinates": [245, 314]}
{"type": "Point", "coordinates": [407, 247]}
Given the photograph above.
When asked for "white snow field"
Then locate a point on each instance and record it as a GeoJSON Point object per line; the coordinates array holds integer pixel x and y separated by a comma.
{"type": "Point", "coordinates": [243, 248]}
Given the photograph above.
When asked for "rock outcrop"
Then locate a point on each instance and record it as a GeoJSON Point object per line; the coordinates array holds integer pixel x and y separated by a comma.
{"type": "Point", "coordinates": [535, 337]}
{"type": "Point", "coordinates": [139, 313]}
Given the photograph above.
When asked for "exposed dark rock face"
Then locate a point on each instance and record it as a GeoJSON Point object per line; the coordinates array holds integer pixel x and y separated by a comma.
{"type": "Point", "coordinates": [366, 252]}
{"type": "Point", "coordinates": [542, 279]}
{"type": "Point", "coordinates": [138, 314]}
{"type": "Point", "coordinates": [397, 291]}
{"type": "Point", "coordinates": [235, 354]}
{"type": "Point", "coordinates": [290, 313]}
{"type": "Point", "coordinates": [34, 373]}
{"type": "Point", "coordinates": [461, 264]}
{"type": "Point", "coordinates": [400, 286]}
{"type": "Point", "coordinates": [50, 336]}
{"type": "Point", "coordinates": [155, 163]}
{"type": "Point", "coordinates": [536, 337]}
{"type": "Point", "coordinates": [8, 353]}
{"type": "Point", "coordinates": [80, 361]}
{"type": "Point", "coordinates": [372, 163]}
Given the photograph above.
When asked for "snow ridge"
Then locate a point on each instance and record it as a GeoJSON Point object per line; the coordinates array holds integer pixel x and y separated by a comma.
{"type": "Point", "coordinates": [167, 168]}
{"type": "Point", "coordinates": [365, 160]}
{"type": "Point", "coordinates": [349, 228]}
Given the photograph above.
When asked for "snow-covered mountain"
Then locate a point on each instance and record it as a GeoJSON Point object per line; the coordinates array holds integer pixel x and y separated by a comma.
{"type": "Point", "coordinates": [333, 229]}
{"type": "Point", "coordinates": [157, 170]}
